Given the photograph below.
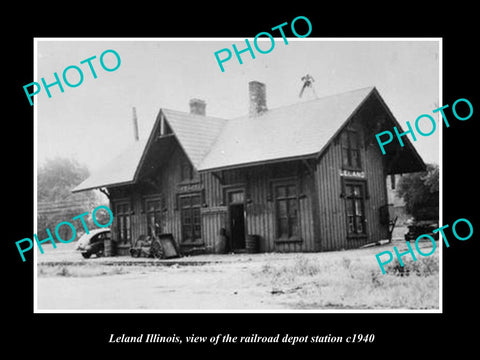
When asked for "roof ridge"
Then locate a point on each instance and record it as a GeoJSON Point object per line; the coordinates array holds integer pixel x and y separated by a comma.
{"type": "Point", "coordinates": [352, 99]}
{"type": "Point", "coordinates": [307, 101]}
{"type": "Point", "coordinates": [371, 87]}
{"type": "Point", "coordinates": [194, 115]}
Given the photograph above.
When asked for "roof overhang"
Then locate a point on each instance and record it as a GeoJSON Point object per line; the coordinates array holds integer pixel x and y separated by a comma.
{"type": "Point", "coordinates": [260, 163]}
{"type": "Point", "coordinates": [136, 161]}
{"type": "Point", "coordinates": [398, 159]}
{"type": "Point", "coordinates": [120, 170]}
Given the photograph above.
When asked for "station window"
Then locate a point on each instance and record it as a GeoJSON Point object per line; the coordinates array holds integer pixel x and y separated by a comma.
{"type": "Point", "coordinates": [190, 217]}
{"type": "Point", "coordinates": [355, 207]}
{"type": "Point", "coordinates": [351, 150]}
{"type": "Point", "coordinates": [286, 206]}
{"type": "Point", "coordinates": [122, 215]}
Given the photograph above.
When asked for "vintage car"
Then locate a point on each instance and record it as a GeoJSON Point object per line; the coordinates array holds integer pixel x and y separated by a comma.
{"type": "Point", "coordinates": [93, 242]}
{"type": "Point", "coordinates": [417, 228]}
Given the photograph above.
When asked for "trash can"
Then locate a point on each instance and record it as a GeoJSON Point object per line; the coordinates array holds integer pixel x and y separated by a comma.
{"type": "Point", "coordinates": [252, 244]}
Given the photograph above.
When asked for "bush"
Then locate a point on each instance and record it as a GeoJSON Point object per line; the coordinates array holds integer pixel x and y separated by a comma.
{"type": "Point", "coordinates": [344, 280]}
{"type": "Point", "coordinates": [420, 193]}
{"type": "Point", "coordinates": [426, 266]}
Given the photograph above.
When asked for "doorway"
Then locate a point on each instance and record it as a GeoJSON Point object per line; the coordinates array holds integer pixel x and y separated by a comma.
{"type": "Point", "coordinates": [236, 218]}
{"type": "Point", "coordinates": [237, 226]}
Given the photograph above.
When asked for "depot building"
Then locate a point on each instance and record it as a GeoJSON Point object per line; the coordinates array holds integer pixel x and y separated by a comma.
{"type": "Point", "coordinates": [299, 178]}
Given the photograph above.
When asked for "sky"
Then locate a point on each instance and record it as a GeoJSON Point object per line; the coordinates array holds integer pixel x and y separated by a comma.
{"type": "Point", "coordinates": [93, 122]}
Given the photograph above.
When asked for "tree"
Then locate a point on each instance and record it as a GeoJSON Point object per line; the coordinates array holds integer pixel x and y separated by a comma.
{"type": "Point", "coordinates": [56, 203]}
{"type": "Point", "coordinates": [420, 192]}
{"type": "Point", "coordinates": [57, 177]}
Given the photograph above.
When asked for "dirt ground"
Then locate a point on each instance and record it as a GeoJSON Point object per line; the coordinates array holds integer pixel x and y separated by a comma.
{"type": "Point", "coordinates": [246, 282]}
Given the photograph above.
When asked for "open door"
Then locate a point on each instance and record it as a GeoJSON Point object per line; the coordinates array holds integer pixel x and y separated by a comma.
{"type": "Point", "coordinates": [237, 226]}
{"type": "Point", "coordinates": [236, 218]}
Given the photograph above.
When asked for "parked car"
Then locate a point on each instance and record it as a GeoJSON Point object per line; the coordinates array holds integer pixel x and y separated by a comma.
{"type": "Point", "coordinates": [93, 243]}
{"type": "Point", "coordinates": [417, 228]}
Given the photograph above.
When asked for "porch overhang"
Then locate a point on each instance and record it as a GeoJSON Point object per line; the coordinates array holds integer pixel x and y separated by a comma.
{"type": "Point", "coordinates": [401, 160]}
{"type": "Point", "coordinates": [138, 161]}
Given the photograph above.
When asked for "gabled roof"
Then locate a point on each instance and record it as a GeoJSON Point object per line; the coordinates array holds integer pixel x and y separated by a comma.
{"type": "Point", "coordinates": [288, 132]}
{"type": "Point", "coordinates": [195, 133]}
{"type": "Point", "coordinates": [291, 132]}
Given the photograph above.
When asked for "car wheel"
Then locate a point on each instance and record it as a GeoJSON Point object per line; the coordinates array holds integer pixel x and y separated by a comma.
{"type": "Point", "coordinates": [135, 253]}
{"type": "Point", "coordinates": [86, 255]}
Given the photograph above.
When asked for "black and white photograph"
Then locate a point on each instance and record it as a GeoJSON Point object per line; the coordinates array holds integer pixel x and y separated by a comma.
{"type": "Point", "coordinates": [258, 188]}
{"type": "Point", "coordinates": [226, 180]}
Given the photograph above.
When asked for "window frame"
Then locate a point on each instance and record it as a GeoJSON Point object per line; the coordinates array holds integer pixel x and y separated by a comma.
{"type": "Point", "coordinates": [292, 237]}
{"type": "Point", "coordinates": [158, 211]}
{"type": "Point", "coordinates": [192, 209]}
{"type": "Point", "coordinates": [349, 149]}
{"type": "Point", "coordinates": [188, 176]}
{"type": "Point", "coordinates": [120, 217]}
{"type": "Point", "coordinates": [363, 199]}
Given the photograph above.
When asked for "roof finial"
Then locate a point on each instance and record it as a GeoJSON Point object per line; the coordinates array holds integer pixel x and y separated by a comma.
{"type": "Point", "coordinates": [307, 82]}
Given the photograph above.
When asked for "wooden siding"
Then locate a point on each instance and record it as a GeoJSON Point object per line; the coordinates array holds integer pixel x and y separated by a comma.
{"type": "Point", "coordinates": [214, 214]}
{"type": "Point", "coordinates": [375, 173]}
{"type": "Point", "coordinates": [137, 195]}
{"type": "Point", "coordinates": [167, 185]}
{"type": "Point", "coordinates": [260, 204]}
{"type": "Point", "coordinates": [332, 207]}
{"type": "Point", "coordinates": [322, 213]}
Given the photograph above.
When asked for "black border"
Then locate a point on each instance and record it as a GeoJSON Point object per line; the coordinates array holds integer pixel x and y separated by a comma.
{"type": "Point", "coordinates": [407, 334]}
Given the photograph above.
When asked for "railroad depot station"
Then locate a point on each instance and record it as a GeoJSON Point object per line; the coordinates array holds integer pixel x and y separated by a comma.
{"type": "Point", "coordinates": [305, 177]}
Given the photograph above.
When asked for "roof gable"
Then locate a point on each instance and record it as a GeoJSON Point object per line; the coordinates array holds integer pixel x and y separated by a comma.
{"type": "Point", "coordinates": [195, 133]}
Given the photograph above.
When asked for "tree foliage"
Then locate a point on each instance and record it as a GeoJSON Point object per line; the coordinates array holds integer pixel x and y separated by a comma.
{"type": "Point", "coordinates": [57, 177]}
{"type": "Point", "coordinates": [420, 191]}
{"type": "Point", "coordinates": [55, 180]}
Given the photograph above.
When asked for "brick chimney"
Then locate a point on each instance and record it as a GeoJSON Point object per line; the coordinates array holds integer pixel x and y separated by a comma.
{"type": "Point", "coordinates": [197, 107]}
{"type": "Point", "coordinates": [258, 98]}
